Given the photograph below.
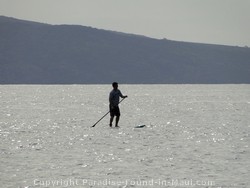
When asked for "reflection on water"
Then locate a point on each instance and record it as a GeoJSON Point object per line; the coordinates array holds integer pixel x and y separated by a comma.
{"type": "Point", "coordinates": [193, 133]}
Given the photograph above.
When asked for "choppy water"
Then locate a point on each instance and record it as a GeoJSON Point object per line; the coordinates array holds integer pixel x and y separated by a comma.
{"type": "Point", "coordinates": [195, 136]}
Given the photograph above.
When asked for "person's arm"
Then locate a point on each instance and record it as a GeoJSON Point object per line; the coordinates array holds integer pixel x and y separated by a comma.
{"type": "Point", "coordinates": [111, 100]}
{"type": "Point", "coordinates": [122, 96]}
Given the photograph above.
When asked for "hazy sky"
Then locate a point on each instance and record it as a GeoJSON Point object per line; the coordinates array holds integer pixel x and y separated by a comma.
{"type": "Point", "coordinates": [206, 21]}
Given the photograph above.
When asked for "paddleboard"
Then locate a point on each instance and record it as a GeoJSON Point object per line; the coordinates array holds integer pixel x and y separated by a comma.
{"type": "Point", "coordinates": [115, 127]}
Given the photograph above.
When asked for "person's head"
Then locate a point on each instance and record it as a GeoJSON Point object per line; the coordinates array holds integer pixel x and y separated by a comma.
{"type": "Point", "coordinates": [115, 85]}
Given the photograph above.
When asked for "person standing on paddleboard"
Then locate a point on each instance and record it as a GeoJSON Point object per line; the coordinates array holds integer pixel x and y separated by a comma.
{"type": "Point", "coordinates": [114, 98]}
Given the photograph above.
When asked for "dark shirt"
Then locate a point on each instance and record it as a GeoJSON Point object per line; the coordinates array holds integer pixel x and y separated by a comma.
{"type": "Point", "coordinates": [114, 97]}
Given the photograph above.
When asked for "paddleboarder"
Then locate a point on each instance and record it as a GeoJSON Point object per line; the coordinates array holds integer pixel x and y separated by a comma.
{"type": "Point", "coordinates": [114, 98]}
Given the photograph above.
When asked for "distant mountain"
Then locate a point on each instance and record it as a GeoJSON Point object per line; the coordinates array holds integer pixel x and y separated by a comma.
{"type": "Point", "coordinates": [36, 53]}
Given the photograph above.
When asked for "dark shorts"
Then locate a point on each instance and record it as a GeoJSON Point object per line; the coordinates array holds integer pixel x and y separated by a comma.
{"type": "Point", "coordinates": [115, 111]}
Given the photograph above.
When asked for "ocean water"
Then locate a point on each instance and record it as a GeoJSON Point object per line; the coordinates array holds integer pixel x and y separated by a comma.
{"type": "Point", "coordinates": [195, 136]}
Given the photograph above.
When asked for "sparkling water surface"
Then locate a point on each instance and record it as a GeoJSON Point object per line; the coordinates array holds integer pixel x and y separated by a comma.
{"type": "Point", "coordinates": [195, 136]}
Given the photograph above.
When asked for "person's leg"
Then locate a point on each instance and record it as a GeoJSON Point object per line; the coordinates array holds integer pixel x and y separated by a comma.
{"type": "Point", "coordinates": [111, 121]}
{"type": "Point", "coordinates": [117, 113]}
{"type": "Point", "coordinates": [112, 114]}
{"type": "Point", "coordinates": [117, 121]}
